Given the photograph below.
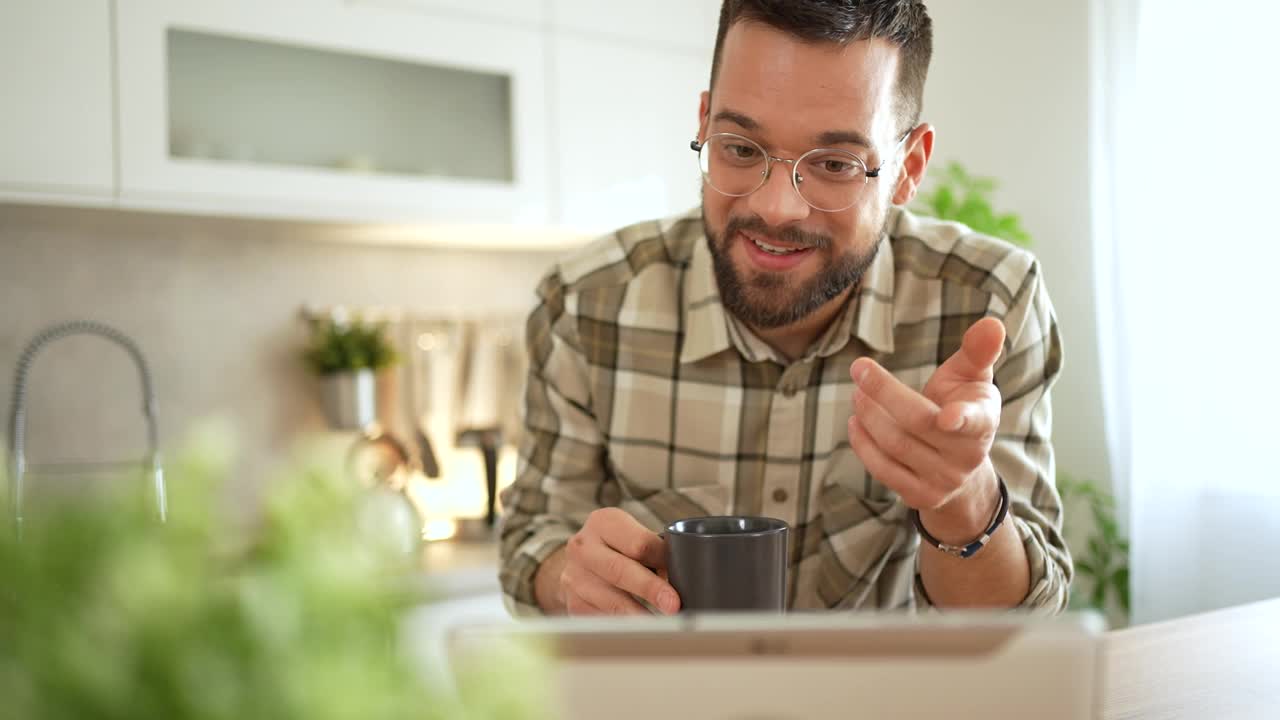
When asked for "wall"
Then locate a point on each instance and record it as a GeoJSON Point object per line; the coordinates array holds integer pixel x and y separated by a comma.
{"type": "Point", "coordinates": [1009, 94]}
{"type": "Point", "coordinates": [214, 303]}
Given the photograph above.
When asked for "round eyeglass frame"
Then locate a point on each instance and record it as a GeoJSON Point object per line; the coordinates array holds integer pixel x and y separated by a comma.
{"type": "Point", "coordinates": [796, 178]}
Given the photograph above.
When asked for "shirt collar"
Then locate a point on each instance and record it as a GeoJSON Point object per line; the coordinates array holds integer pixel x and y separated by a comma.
{"type": "Point", "coordinates": [872, 323]}
{"type": "Point", "coordinates": [706, 326]}
{"type": "Point", "coordinates": [709, 329]}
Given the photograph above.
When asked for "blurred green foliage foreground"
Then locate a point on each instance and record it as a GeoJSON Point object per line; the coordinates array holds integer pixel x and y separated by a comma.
{"type": "Point", "coordinates": [105, 613]}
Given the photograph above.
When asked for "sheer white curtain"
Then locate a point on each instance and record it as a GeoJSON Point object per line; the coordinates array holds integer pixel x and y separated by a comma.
{"type": "Point", "coordinates": [1187, 199]}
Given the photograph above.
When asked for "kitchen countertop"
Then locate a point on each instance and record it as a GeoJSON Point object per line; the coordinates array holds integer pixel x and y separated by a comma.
{"type": "Point", "coordinates": [453, 568]}
{"type": "Point", "coordinates": [460, 581]}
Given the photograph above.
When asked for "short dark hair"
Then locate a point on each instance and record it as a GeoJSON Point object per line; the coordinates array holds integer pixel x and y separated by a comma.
{"type": "Point", "coordinates": [905, 23]}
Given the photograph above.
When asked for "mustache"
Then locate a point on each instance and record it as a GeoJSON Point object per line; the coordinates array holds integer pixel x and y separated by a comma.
{"type": "Point", "coordinates": [791, 235]}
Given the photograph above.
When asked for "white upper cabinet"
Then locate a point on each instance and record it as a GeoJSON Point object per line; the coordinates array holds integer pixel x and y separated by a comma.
{"type": "Point", "coordinates": [331, 111]}
{"type": "Point", "coordinates": [524, 12]}
{"type": "Point", "coordinates": [55, 100]}
{"type": "Point", "coordinates": [625, 116]}
{"type": "Point", "coordinates": [687, 24]}
{"type": "Point", "coordinates": [508, 122]}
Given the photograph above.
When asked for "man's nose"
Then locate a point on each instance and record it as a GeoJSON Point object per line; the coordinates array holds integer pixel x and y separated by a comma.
{"type": "Point", "coordinates": [777, 202]}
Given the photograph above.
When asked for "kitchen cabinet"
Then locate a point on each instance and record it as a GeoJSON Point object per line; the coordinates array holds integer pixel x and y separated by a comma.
{"type": "Point", "coordinates": [625, 117]}
{"type": "Point", "coordinates": [55, 86]}
{"type": "Point", "coordinates": [507, 123]}
{"type": "Point", "coordinates": [522, 12]}
{"type": "Point", "coordinates": [684, 24]}
{"type": "Point", "coordinates": [330, 111]}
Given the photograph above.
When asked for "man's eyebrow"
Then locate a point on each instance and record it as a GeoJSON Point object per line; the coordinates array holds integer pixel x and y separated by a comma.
{"type": "Point", "coordinates": [844, 137]}
{"type": "Point", "coordinates": [738, 119]}
{"type": "Point", "coordinates": [830, 137]}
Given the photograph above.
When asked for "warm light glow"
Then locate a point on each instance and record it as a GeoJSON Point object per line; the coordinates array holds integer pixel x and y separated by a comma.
{"type": "Point", "coordinates": [460, 492]}
{"type": "Point", "coordinates": [464, 490]}
{"type": "Point", "coordinates": [439, 529]}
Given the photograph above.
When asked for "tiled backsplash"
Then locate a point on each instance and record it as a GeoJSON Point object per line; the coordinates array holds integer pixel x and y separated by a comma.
{"type": "Point", "coordinates": [214, 304]}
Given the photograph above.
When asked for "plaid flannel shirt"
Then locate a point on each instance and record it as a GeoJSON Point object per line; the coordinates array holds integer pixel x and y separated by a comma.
{"type": "Point", "coordinates": [645, 394]}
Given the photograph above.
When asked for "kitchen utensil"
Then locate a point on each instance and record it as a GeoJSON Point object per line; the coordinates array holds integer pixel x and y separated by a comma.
{"type": "Point", "coordinates": [482, 410]}
{"type": "Point", "coordinates": [432, 378]}
{"type": "Point", "coordinates": [488, 441]}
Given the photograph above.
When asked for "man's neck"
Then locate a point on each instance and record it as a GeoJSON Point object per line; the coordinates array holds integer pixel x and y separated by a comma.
{"type": "Point", "coordinates": [793, 340]}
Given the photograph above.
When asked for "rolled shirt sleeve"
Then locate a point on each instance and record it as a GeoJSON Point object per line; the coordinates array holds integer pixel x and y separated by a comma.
{"type": "Point", "coordinates": [561, 464]}
{"type": "Point", "coordinates": [1022, 453]}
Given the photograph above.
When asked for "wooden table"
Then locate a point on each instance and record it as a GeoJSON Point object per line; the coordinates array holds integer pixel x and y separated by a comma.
{"type": "Point", "coordinates": [1216, 666]}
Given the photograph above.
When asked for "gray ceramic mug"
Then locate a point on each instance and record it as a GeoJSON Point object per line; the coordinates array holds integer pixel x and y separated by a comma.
{"type": "Point", "coordinates": [728, 563]}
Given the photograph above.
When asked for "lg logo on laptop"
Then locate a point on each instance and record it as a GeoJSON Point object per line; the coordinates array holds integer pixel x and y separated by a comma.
{"type": "Point", "coordinates": [766, 646]}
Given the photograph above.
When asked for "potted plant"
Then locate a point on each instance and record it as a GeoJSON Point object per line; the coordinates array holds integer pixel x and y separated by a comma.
{"type": "Point", "coordinates": [107, 613]}
{"type": "Point", "coordinates": [960, 197]}
{"type": "Point", "coordinates": [1102, 569]}
{"type": "Point", "coordinates": [346, 355]}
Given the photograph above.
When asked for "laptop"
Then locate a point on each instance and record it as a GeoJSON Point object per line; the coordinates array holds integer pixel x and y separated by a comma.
{"type": "Point", "coordinates": [803, 666]}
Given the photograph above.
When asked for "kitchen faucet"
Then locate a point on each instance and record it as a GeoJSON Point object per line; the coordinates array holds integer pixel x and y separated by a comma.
{"type": "Point", "coordinates": [18, 467]}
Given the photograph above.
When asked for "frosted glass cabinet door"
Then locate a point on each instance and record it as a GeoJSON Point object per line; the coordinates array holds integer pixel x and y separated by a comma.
{"type": "Point", "coordinates": [55, 99]}
{"type": "Point", "coordinates": [625, 117]}
{"type": "Point", "coordinates": [338, 111]}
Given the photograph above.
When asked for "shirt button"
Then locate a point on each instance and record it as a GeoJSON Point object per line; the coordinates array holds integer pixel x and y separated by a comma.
{"type": "Point", "coordinates": [788, 391]}
{"type": "Point", "coordinates": [779, 495]}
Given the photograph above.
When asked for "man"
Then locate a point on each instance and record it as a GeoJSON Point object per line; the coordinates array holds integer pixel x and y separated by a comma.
{"type": "Point", "coordinates": [802, 348]}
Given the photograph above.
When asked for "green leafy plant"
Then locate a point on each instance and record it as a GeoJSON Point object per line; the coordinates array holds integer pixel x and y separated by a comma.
{"type": "Point", "coordinates": [1104, 566]}
{"type": "Point", "coordinates": [956, 195]}
{"type": "Point", "coordinates": [107, 614]}
{"type": "Point", "coordinates": [346, 347]}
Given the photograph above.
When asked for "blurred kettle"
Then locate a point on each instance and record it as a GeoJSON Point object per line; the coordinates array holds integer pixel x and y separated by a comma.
{"type": "Point", "coordinates": [386, 514]}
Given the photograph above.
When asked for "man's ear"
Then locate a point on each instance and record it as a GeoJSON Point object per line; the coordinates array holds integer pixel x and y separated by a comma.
{"type": "Point", "coordinates": [704, 114]}
{"type": "Point", "coordinates": [917, 151]}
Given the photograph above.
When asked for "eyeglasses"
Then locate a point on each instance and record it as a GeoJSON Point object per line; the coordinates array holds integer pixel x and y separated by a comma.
{"type": "Point", "coordinates": [826, 178]}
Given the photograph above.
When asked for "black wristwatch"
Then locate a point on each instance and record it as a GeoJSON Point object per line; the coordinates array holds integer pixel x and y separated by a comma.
{"type": "Point", "coordinates": [967, 551]}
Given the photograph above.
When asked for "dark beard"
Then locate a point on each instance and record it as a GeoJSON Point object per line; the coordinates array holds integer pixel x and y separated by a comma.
{"type": "Point", "coordinates": [768, 300]}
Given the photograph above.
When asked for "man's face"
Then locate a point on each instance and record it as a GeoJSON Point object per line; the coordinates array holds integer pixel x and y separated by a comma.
{"type": "Point", "coordinates": [791, 97]}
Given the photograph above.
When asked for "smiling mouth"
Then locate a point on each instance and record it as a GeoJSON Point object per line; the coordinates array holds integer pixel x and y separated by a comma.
{"type": "Point", "coordinates": [775, 249]}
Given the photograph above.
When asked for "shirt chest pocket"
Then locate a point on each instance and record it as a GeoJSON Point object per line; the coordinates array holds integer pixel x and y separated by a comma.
{"type": "Point", "coordinates": [677, 484]}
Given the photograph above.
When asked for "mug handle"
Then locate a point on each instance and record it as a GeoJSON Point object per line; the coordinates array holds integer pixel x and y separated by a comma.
{"type": "Point", "coordinates": [663, 572]}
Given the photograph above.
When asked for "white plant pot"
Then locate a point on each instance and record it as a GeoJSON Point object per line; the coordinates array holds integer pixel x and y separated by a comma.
{"type": "Point", "coordinates": [350, 399]}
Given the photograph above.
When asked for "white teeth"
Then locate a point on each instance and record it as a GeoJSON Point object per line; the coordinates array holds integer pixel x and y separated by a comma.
{"type": "Point", "coordinates": [772, 249]}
